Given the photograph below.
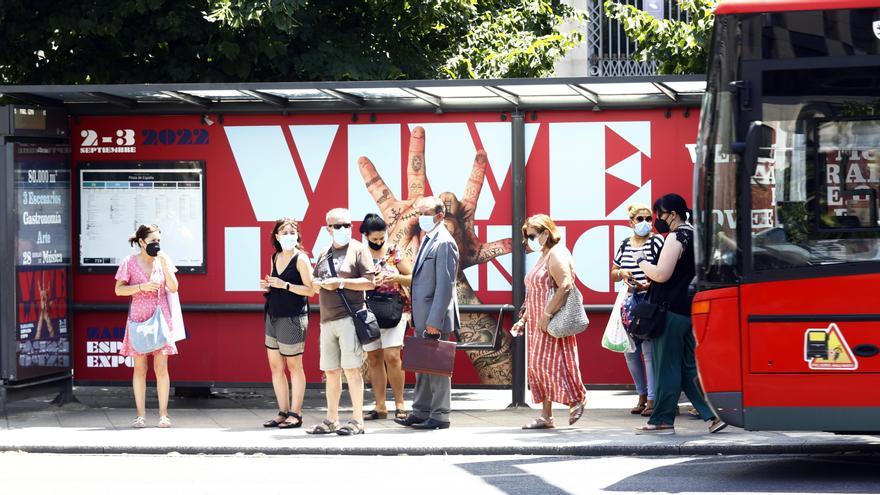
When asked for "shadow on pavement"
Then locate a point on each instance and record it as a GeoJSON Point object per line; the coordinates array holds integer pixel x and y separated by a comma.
{"type": "Point", "coordinates": [760, 474]}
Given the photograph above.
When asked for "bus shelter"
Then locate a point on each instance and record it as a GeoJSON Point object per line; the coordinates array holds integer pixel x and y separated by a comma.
{"type": "Point", "coordinates": [214, 165]}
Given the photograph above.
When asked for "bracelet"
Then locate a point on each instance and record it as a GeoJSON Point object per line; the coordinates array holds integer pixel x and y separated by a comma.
{"type": "Point", "coordinates": [548, 315]}
{"type": "Point", "coordinates": [139, 288]}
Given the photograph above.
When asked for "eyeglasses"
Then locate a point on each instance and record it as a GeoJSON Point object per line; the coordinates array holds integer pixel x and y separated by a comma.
{"type": "Point", "coordinates": [640, 219]}
{"type": "Point", "coordinates": [337, 226]}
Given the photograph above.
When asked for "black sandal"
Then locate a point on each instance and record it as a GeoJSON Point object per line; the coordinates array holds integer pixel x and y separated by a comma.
{"type": "Point", "coordinates": [374, 415]}
{"type": "Point", "coordinates": [287, 424]}
{"type": "Point", "coordinates": [273, 423]}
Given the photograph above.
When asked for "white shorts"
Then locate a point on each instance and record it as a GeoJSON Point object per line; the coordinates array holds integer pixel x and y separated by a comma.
{"type": "Point", "coordinates": [340, 348]}
{"type": "Point", "coordinates": [390, 337]}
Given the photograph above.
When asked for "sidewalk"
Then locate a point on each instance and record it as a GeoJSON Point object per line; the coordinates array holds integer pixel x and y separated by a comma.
{"type": "Point", "coordinates": [229, 423]}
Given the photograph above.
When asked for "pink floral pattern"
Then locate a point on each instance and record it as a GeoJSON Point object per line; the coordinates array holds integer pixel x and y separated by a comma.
{"type": "Point", "coordinates": [143, 304]}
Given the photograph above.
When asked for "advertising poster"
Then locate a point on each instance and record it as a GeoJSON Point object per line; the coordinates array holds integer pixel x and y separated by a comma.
{"type": "Point", "coordinates": [42, 191]}
{"type": "Point", "coordinates": [583, 169]}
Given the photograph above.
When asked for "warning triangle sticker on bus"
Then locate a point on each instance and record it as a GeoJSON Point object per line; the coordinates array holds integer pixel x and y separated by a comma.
{"type": "Point", "coordinates": [826, 349]}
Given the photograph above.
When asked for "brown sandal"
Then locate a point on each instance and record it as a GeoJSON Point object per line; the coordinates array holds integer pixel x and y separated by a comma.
{"type": "Point", "coordinates": [576, 411]}
{"type": "Point", "coordinates": [649, 409]}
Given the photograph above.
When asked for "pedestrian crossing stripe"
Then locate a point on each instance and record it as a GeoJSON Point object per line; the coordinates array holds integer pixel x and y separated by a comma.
{"type": "Point", "coordinates": [826, 349]}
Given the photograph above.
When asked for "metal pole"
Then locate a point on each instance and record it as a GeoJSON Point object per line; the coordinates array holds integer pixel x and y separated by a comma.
{"type": "Point", "coordinates": [518, 176]}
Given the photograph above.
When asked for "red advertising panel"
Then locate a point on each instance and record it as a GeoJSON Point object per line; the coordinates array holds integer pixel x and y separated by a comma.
{"type": "Point", "coordinates": [583, 168]}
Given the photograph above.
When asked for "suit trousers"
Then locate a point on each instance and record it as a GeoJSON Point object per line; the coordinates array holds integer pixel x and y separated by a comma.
{"type": "Point", "coordinates": [433, 394]}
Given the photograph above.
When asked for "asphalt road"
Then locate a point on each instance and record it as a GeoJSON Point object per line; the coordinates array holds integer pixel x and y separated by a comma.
{"type": "Point", "coordinates": [448, 475]}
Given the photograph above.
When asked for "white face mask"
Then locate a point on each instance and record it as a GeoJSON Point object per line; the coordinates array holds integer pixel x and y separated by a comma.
{"type": "Point", "coordinates": [342, 236]}
{"type": "Point", "coordinates": [642, 228]}
{"type": "Point", "coordinates": [287, 241]}
{"type": "Point", "coordinates": [426, 223]}
{"type": "Point", "coordinates": [536, 244]}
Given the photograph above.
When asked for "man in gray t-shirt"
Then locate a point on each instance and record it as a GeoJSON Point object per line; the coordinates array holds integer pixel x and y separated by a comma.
{"type": "Point", "coordinates": [340, 348]}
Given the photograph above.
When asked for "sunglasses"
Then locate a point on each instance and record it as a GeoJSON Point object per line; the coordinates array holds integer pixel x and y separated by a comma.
{"type": "Point", "coordinates": [337, 226]}
{"type": "Point", "coordinates": [640, 219]}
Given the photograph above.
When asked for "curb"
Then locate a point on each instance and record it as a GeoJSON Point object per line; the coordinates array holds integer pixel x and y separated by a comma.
{"type": "Point", "coordinates": [546, 450]}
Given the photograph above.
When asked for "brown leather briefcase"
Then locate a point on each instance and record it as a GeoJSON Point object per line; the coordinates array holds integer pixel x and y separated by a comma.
{"type": "Point", "coordinates": [430, 356]}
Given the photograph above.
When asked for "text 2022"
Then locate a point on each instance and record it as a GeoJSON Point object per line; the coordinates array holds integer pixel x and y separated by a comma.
{"type": "Point", "coordinates": [175, 136]}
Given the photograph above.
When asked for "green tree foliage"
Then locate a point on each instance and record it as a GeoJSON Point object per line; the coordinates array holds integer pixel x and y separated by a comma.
{"type": "Point", "coordinates": [679, 47]}
{"type": "Point", "coordinates": [130, 41]}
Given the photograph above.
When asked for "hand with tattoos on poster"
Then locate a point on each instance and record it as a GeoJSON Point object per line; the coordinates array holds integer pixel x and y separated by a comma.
{"type": "Point", "coordinates": [494, 367]}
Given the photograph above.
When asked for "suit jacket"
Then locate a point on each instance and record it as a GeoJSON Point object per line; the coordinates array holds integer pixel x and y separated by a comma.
{"type": "Point", "coordinates": [434, 301]}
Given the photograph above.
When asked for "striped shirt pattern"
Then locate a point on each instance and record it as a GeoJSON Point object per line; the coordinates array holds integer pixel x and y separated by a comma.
{"type": "Point", "coordinates": [624, 256]}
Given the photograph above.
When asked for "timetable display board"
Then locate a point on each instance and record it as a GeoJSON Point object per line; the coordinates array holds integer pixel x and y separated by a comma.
{"type": "Point", "coordinates": [116, 197]}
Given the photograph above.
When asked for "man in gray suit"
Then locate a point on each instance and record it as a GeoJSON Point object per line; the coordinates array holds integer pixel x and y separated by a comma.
{"type": "Point", "coordinates": [434, 311]}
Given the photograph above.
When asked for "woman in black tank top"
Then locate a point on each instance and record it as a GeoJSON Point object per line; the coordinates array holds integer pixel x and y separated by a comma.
{"type": "Point", "coordinates": [287, 289]}
{"type": "Point", "coordinates": [675, 368]}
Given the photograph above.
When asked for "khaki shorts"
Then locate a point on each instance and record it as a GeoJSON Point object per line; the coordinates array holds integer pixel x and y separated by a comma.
{"type": "Point", "coordinates": [340, 348]}
{"type": "Point", "coordinates": [390, 337]}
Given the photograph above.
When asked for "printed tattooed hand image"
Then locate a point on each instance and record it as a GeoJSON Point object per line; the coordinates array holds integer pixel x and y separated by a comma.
{"type": "Point", "coordinates": [494, 367]}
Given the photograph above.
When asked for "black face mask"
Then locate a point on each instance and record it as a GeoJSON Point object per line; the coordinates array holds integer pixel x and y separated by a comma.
{"type": "Point", "coordinates": [375, 246]}
{"type": "Point", "coordinates": [661, 225]}
{"type": "Point", "coordinates": [152, 249]}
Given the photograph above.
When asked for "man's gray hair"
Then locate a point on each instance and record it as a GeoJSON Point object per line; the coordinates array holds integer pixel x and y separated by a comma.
{"type": "Point", "coordinates": [337, 212]}
{"type": "Point", "coordinates": [433, 201]}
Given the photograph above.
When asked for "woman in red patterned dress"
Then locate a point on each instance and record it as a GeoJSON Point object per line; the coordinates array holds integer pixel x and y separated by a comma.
{"type": "Point", "coordinates": [554, 374]}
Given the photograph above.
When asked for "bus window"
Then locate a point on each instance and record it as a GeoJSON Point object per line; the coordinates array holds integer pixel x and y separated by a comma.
{"type": "Point", "coordinates": [815, 191]}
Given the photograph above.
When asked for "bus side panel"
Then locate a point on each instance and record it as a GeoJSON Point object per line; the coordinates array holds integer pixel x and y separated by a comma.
{"type": "Point", "coordinates": [809, 358]}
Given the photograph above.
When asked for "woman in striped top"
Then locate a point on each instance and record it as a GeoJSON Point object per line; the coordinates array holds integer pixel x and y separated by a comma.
{"type": "Point", "coordinates": [625, 268]}
{"type": "Point", "coordinates": [554, 374]}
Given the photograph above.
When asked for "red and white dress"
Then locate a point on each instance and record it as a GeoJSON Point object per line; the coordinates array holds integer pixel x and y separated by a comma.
{"type": "Point", "coordinates": [554, 373]}
{"type": "Point", "coordinates": [143, 304]}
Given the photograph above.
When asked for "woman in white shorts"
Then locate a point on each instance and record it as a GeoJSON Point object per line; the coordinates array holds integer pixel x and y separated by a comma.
{"type": "Point", "coordinates": [393, 274]}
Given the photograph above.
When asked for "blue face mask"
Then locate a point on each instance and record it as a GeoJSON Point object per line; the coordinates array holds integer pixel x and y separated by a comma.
{"type": "Point", "coordinates": [426, 223]}
{"type": "Point", "coordinates": [642, 229]}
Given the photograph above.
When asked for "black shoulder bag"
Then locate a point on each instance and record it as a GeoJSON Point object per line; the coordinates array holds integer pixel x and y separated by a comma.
{"type": "Point", "coordinates": [648, 318]}
{"type": "Point", "coordinates": [388, 308]}
{"type": "Point", "coordinates": [365, 324]}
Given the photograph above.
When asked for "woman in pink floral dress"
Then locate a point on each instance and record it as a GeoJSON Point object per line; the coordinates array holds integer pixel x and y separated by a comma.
{"type": "Point", "coordinates": [554, 373]}
{"type": "Point", "coordinates": [145, 277]}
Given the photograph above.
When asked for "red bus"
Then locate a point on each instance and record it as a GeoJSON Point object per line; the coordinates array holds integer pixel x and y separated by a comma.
{"type": "Point", "coordinates": [787, 183]}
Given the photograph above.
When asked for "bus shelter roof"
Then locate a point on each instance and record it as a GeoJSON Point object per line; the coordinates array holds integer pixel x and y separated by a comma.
{"type": "Point", "coordinates": [590, 93]}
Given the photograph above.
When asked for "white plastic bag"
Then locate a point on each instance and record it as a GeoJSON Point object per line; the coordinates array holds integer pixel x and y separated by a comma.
{"type": "Point", "coordinates": [178, 331]}
{"type": "Point", "coordinates": [616, 337]}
